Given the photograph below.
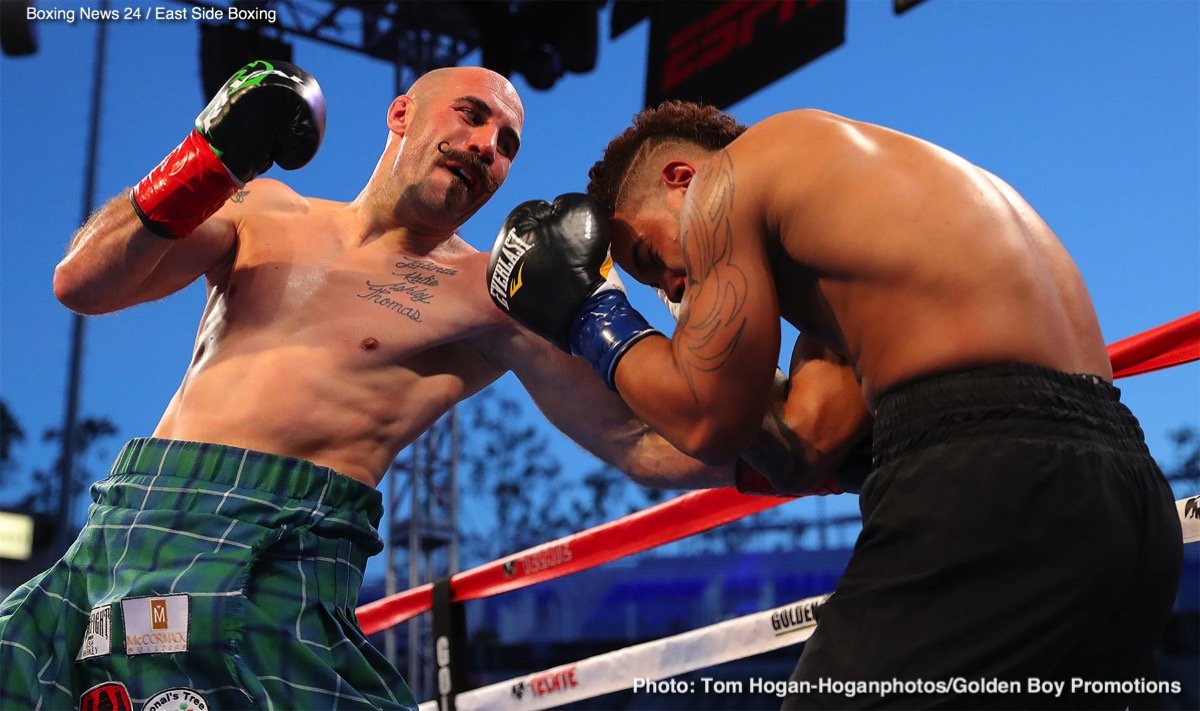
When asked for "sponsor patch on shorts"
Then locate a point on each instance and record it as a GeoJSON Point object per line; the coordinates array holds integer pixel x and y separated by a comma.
{"type": "Point", "coordinates": [180, 699]}
{"type": "Point", "coordinates": [155, 625]}
{"type": "Point", "coordinates": [97, 639]}
{"type": "Point", "coordinates": [107, 696]}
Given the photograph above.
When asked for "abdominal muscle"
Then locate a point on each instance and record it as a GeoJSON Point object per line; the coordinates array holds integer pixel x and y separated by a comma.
{"type": "Point", "coordinates": [333, 379]}
{"type": "Point", "coordinates": [295, 404]}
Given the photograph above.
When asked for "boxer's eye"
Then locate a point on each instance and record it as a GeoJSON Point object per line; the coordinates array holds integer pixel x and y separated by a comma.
{"type": "Point", "coordinates": [646, 263]}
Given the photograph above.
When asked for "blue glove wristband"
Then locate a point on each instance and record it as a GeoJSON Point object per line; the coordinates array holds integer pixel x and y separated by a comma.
{"type": "Point", "coordinates": [605, 327]}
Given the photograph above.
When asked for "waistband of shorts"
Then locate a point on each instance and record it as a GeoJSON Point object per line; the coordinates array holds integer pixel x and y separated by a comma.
{"type": "Point", "coordinates": [223, 465]}
{"type": "Point", "coordinates": [1005, 401]}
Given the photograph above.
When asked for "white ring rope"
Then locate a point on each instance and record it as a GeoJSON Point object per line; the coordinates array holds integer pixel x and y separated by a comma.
{"type": "Point", "coordinates": [650, 661]}
{"type": "Point", "coordinates": [678, 654]}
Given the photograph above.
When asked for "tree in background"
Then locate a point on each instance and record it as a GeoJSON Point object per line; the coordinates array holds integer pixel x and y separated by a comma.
{"type": "Point", "coordinates": [519, 495]}
{"type": "Point", "coordinates": [1184, 475]}
{"type": "Point", "coordinates": [41, 494]}
{"type": "Point", "coordinates": [10, 434]}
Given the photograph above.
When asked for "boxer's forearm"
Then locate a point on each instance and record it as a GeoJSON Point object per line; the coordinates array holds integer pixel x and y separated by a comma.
{"type": "Point", "coordinates": [109, 256]}
{"type": "Point", "coordinates": [792, 465]}
{"type": "Point", "coordinates": [708, 414]}
{"type": "Point", "coordinates": [816, 428]}
{"type": "Point", "coordinates": [574, 400]}
{"type": "Point", "coordinates": [654, 462]}
{"type": "Point", "coordinates": [114, 261]}
{"type": "Point", "coordinates": [779, 453]}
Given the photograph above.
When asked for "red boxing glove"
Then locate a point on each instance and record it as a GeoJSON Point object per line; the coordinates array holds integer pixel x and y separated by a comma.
{"type": "Point", "coordinates": [269, 112]}
{"type": "Point", "coordinates": [749, 481]}
{"type": "Point", "coordinates": [187, 187]}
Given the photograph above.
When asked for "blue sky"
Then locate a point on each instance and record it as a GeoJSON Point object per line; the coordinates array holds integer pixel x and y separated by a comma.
{"type": "Point", "coordinates": [1091, 109]}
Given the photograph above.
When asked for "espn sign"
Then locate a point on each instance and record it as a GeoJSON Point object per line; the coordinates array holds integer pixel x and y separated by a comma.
{"type": "Point", "coordinates": [719, 52]}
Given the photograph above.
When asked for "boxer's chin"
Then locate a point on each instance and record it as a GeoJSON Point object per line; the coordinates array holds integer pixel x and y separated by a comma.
{"type": "Point", "coordinates": [457, 193]}
{"type": "Point", "coordinates": [462, 200]}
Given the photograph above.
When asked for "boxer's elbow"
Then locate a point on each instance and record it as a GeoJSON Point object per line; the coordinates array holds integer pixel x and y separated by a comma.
{"type": "Point", "coordinates": [654, 459]}
{"type": "Point", "coordinates": [68, 288]}
{"type": "Point", "coordinates": [716, 440]}
{"type": "Point", "coordinates": [657, 464]}
{"type": "Point", "coordinates": [658, 479]}
{"type": "Point", "coordinates": [73, 290]}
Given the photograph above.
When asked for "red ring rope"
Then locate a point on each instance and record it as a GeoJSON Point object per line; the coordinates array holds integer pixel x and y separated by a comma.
{"type": "Point", "coordinates": [1168, 345]}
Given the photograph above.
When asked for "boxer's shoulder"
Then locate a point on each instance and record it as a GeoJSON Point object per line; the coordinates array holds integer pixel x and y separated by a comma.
{"type": "Point", "coordinates": [269, 195]}
{"type": "Point", "coordinates": [269, 208]}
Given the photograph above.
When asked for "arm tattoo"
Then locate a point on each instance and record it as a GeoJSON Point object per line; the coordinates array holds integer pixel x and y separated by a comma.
{"type": "Point", "coordinates": [240, 196]}
{"type": "Point", "coordinates": [777, 452]}
{"type": "Point", "coordinates": [711, 327]}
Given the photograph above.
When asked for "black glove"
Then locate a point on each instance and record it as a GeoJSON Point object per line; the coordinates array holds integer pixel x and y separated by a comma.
{"type": "Point", "coordinates": [547, 270]}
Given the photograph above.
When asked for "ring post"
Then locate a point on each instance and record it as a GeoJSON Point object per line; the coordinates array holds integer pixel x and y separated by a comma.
{"type": "Point", "coordinates": [449, 645]}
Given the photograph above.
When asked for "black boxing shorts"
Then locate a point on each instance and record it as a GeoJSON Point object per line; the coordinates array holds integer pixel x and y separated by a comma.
{"type": "Point", "coordinates": [1020, 549]}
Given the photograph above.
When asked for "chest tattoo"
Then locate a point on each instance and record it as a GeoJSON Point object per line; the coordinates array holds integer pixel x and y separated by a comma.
{"type": "Point", "coordinates": [412, 286]}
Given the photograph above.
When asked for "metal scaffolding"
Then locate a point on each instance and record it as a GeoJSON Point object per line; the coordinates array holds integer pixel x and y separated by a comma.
{"type": "Point", "coordinates": [414, 36]}
{"type": "Point", "coordinates": [422, 521]}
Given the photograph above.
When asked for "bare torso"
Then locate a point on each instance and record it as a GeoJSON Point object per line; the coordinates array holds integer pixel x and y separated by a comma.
{"type": "Point", "coordinates": [319, 345]}
{"type": "Point", "coordinates": [908, 259]}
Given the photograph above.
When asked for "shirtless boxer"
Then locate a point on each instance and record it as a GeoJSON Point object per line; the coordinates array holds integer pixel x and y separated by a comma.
{"type": "Point", "coordinates": [1014, 523]}
{"type": "Point", "coordinates": [223, 556]}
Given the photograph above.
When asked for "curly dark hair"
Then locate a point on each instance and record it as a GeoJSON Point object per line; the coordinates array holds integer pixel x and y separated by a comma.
{"type": "Point", "coordinates": [703, 125]}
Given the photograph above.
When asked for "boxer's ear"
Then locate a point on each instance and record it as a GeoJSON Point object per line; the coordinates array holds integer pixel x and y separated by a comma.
{"type": "Point", "coordinates": [399, 115]}
{"type": "Point", "coordinates": [678, 173]}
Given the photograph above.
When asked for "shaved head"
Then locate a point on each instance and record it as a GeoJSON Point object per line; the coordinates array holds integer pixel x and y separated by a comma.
{"type": "Point", "coordinates": [453, 79]}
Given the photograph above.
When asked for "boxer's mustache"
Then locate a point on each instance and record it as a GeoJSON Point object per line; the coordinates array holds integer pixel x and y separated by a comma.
{"type": "Point", "coordinates": [471, 162]}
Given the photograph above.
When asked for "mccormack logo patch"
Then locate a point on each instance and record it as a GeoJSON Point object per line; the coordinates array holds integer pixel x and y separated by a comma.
{"type": "Point", "coordinates": [155, 625]}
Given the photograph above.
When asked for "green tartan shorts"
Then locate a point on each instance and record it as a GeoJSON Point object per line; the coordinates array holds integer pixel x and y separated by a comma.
{"type": "Point", "coordinates": [211, 575]}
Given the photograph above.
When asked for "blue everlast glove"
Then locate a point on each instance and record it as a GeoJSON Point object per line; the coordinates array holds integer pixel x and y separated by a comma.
{"type": "Point", "coordinates": [548, 271]}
